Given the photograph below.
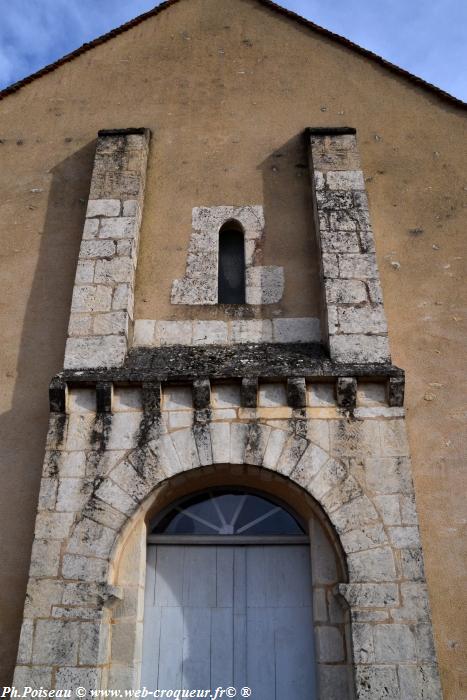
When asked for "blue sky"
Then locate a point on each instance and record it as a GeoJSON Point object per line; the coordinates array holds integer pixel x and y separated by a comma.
{"type": "Point", "coordinates": [426, 37]}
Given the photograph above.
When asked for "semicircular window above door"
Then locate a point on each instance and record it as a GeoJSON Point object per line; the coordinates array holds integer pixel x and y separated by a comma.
{"type": "Point", "coordinates": [227, 514]}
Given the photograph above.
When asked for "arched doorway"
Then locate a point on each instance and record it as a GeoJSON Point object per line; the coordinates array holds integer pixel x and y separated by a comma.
{"type": "Point", "coordinates": [228, 597]}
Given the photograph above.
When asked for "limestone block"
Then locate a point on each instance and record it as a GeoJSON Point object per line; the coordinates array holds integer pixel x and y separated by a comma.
{"type": "Point", "coordinates": [291, 454]}
{"type": "Point", "coordinates": [209, 333]}
{"type": "Point", "coordinates": [330, 265]}
{"type": "Point", "coordinates": [131, 207]}
{"type": "Point", "coordinates": [318, 433]}
{"type": "Point", "coordinates": [424, 643]}
{"type": "Point", "coordinates": [127, 479]}
{"type": "Point", "coordinates": [56, 642]}
{"type": "Point", "coordinates": [357, 513]}
{"type": "Point", "coordinates": [113, 323]}
{"type": "Point", "coordinates": [264, 284]}
{"type": "Point", "coordinates": [90, 229]}
{"type": "Point", "coordinates": [275, 445]}
{"type": "Point", "coordinates": [32, 677]}
{"type": "Point", "coordinates": [361, 266]}
{"type": "Point", "coordinates": [91, 298]}
{"type": "Point", "coordinates": [25, 642]}
{"type": "Point", "coordinates": [345, 292]}
{"type": "Point", "coordinates": [258, 436]}
{"type": "Point", "coordinates": [359, 348]}
{"type": "Point", "coordinates": [72, 495]}
{"type": "Point", "coordinates": [377, 682]}
{"type": "Point", "coordinates": [122, 299]}
{"type": "Point", "coordinates": [220, 441]}
{"type": "Point", "coordinates": [372, 565]}
{"type": "Point", "coordinates": [415, 605]}
{"type": "Point", "coordinates": [324, 571]}
{"type": "Point", "coordinates": [345, 180]}
{"type": "Point", "coordinates": [111, 493]}
{"type": "Point", "coordinates": [53, 526]}
{"type": "Point", "coordinates": [174, 333]}
{"type": "Point", "coordinates": [334, 681]}
{"type": "Point", "coordinates": [251, 331]}
{"type": "Point", "coordinates": [339, 241]}
{"type": "Point", "coordinates": [329, 644]}
{"type": "Point", "coordinates": [81, 400]}
{"type": "Point", "coordinates": [185, 446]}
{"type": "Point", "coordinates": [389, 508]}
{"type": "Point", "coordinates": [320, 607]}
{"type": "Point", "coordinates": [45, 558]}
{"type": "Point", "coordinates": [41, 595]}
{"type": "Point", "coordinates": [124, 431]}
{"type": "Point", "coordinates": [97, 249]}
{"type": "Point", "coordinates": [421, 681]}
{"type": "Point", "coordinates": [47, 494]}
{"type": "Point", "coordinates": [95, 352]}
{"type": "Point", "coordinates": [177, 398]}
{"type": "Point", "coordinates": [362, 643]}
{"type": "Point", "coordinates": [363, 319]}
{"type": "Point", "coordinates": [118, 227]}
{"type": "Point", "coordinates": [358, 540]}
{"type": "Point", "coordinates": [84, 272]}
{"type": "Point", "coordinates": [394, 643]}
{"type": "Point", "coordinates": [180, 419]}
{"type": "Point", "coordinates": [114, 271]}
{"type": "Point", "coordinates": [331, 474]}
{"type": "Point", "coordinates": [370, 595]}
{"type": "Point", "coordinates": [379, 412]}
{"type": "Point", "coordinates": [103, 207]}
{"type": "Point", "coordinates": [90, 539]}
{"type": "Point", "coordinates": [167, 456]}
{"type": "Point", "coordinates": [127, 398]}
{"type": "Point", "coordinates": [202, 436]}
{"type": "Point", "coordinates": [388, 475]}
{"type": "Point", "coordinates": [272, 395]}
{"type": "Point", "coordinates": [310, 463]}
{"type": "Point", "coordinates": [223, 414]}
{"type": "Point", "coordinates": [68, 677]}
{"type": "Point", "coordinates": [225, 396]}
{"type": "Point", "coordinates": [84, 568]}
{"type": "Point", "coordinates": [73, 464]}
{"type": "Point", "coordinates": [296, 330]}
{"type": "Point", "coordinates": [404, 536]}
{"type": "Point", "coordinates": [375, 292]}
{"type": "Point", "coordinates": [93, 643]}
{"type": "Point", "coordinates": [321, 395]}
{"type": "Point", "coordinates": [394, 441]}
{"type": "Point", "coordinates": [238, 440]}
{"type": "Point", "coordinates": [412, 564]}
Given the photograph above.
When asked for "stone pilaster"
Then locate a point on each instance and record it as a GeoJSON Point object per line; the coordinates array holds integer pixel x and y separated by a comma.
{"type": "Point", "coordinates": [354, 322]}
{"type": "Point", "coordinates": [102, 304]}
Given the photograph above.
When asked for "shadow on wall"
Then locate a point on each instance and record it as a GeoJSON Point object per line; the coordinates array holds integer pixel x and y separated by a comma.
{"type": "Point", "coordinates": [290, 235]}
{"type": "Point", "coordinates": [23, 428]}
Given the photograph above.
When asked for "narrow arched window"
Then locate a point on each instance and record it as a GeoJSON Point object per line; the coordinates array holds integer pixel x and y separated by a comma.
{"type": "Point", "coordinates": [231, 280]}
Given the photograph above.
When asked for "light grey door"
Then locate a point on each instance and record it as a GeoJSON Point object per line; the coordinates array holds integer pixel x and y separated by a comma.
{"type": "Point", "coordinates": [229, 616]}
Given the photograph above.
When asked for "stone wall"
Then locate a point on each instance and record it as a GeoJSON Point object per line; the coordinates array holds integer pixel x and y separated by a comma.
{"type": "Point", "coordinates": [102, 467]}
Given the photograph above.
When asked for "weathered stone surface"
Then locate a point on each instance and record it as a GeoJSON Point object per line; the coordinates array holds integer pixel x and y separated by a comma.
{"type": "Point", "coordinates": [346, 393]}
{"type": "Point", "coordinates": [376, 682]}
{"type": "Point", "coordinates": [330, 644]}
{"type": "Point", "coordinates": [372, 565]}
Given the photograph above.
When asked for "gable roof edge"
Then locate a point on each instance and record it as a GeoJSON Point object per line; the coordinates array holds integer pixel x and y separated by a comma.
{"type": "Point", "coordinates": [14, 87]}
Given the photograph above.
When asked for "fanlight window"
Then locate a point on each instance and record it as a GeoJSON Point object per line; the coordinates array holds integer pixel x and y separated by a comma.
{"type": "Point", "coordinates": [227, 514]}
{"type": "Point", "coordinates": [231, 280]}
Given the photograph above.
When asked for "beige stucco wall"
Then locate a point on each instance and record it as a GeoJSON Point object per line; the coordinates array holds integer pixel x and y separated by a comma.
{"type": "Point", "coordinates": [226, 93]}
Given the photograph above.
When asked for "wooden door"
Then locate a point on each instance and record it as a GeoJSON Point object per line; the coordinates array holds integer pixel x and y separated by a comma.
{"type": "Point", "coordinates": [229, 616]}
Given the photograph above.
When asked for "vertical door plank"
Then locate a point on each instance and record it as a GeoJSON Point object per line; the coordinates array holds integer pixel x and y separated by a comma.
{"type": "Point", "coordinates": [196, 647]}
{"type": "Point", "coordinates": [151, 626]}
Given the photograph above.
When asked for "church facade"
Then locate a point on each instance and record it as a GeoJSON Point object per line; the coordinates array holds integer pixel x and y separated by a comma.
{"type": "Point", "coordinates": [231, 493]}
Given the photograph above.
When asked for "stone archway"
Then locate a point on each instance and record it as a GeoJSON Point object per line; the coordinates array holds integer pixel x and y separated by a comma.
{"type": "Point", "coordinates": [101, 470]}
